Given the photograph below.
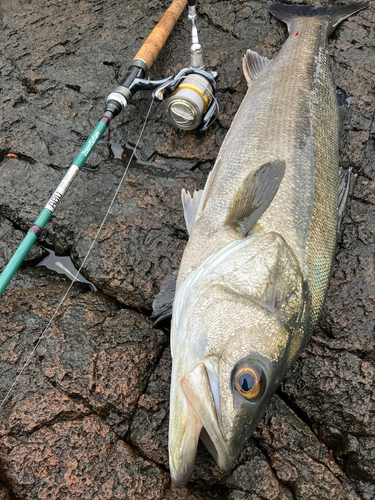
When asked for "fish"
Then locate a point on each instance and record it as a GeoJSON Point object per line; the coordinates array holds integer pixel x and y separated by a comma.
{"type": "Point", "coordinates": [262, 236]}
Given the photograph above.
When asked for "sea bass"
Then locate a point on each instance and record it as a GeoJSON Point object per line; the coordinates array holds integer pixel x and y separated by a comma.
{"type": "Point", "coordinates": [255, 271]}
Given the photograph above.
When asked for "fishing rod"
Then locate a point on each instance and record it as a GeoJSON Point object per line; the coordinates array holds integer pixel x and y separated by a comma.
{"type": "Point", "coordinates": [191, 103]}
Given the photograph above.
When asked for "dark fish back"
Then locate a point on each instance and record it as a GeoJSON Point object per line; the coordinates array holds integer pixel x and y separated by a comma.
{"type": "Point", "coordinates": [334, 14]}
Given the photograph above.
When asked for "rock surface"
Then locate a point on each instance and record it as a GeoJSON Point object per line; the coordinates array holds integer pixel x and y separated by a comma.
{"type": "Point", "coordinates": [88, 417]}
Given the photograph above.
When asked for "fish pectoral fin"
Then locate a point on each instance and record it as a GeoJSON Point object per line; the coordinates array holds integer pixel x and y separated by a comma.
{"type": "Point", "coordinates": [255, 195]}
{"type": "Point", "coordinates": [253, 64]}
{"type": "Point", "coordinates": [162, 304]}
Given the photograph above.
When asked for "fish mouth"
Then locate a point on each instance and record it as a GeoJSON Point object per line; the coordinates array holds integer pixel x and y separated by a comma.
{"type": "Point", "coordinates": [199, 392]}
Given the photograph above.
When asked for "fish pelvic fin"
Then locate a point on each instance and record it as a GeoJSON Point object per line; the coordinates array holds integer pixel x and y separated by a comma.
{"type": "Point", "coordinates": [253, 64]}
{"type": "Point", "coordinates": [343, 100]}
{"type": "Point", "coordinates": [344, 186]}
{"type": "Point", "coordinates": [255, 195]}
{"type": "Point", "coordinates": [335, 14]}
{"type": "Point", "coordinates": [194, 205]}
{"type": "Point", "coordinates": [191, 206]}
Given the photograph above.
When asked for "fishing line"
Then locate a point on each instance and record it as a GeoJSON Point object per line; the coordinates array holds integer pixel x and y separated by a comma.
{"type": "Point", "coordinates": [83, 263]}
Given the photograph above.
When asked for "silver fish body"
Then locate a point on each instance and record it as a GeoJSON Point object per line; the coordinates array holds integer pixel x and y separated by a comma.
{"type": "Point", "coordinates": [255, 272]}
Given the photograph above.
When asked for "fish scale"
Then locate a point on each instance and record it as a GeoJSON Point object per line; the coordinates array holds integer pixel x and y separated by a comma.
{"type": "Point", "coordinates": [255, 271]}
{"type": "Point", "coordinates": [291, 78]}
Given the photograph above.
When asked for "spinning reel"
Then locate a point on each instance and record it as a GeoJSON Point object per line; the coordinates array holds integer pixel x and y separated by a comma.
{"type": "Point", "coordinates": [191, 101]}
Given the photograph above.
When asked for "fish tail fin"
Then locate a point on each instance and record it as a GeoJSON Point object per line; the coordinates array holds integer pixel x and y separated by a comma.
{"type": "Point", "coordinates": [335, 14]}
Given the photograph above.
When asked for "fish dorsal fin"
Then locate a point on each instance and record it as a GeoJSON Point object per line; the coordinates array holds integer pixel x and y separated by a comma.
{"type": "Point", "coordinates": [254, 196]}
{"type": "Point", "coordinates": [194, 205]}
{"type": "Point", "coordinates": [253, 64]}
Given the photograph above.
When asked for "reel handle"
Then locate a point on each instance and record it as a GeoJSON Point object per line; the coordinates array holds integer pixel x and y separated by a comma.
{"type": "Point", "coordinates": [157, 38]}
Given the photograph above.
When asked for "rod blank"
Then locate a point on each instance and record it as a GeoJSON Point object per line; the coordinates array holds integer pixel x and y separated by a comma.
{"type": "Point", "coordinates": [148, 53]}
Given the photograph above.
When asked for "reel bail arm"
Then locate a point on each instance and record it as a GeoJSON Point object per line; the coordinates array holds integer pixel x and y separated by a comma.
{"type": "Point", "coordinates": [196, 55]}
{"type": "Point", "coordinates": [143, 61]}
{"type": "Point", "coordinates": [193, 101]}
{"type": "Point", "coordinates": [116, 102]}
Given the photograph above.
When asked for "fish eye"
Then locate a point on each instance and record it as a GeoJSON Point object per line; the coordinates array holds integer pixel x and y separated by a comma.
{"type": "Point", "coordinates": [249, 380]}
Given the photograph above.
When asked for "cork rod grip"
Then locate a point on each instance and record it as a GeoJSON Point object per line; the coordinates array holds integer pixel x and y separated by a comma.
{"type": "Point", "coordinates": [158, 36]}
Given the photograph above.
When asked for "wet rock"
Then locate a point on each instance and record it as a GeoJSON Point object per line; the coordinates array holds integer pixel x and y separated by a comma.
{"type": "Point", "coordinates": [51, 434]}
{"type": "Point", "coordinates": [10, 239]}
{"type": "Point", "coordinates": [254, 478]}
{"type": "Point", "coordinates": [80, 459]}
{"type": "Point", "coordinates": [283, 436]}
{"type": "Point", "coordinates": [94, 352]}
{"type": "Point", "coordinates": [143, 238]}
{"type": "Point", "coordinates": [142, 242]}
{"type": "Point", "coordinates": [34, 277]}
{"type": "Point", "coordinates": [4, 493]}
{"type": "Point", "coordinates": [89, 416]}
{"type": "Point", "coordinates": [352, 69]}
{"type": "Point", "coordinates": [175, 493]}
{"type": "Point", "coordinates": [358, 457]}
{"type": "Point", "coordinates": [339, 372]}
{"type": "Point", "coordinates": [365, 191]}
{"type": "Point", "coordinates": [149, 428]}
{"type": "Point", "coordinates": [78, 209]}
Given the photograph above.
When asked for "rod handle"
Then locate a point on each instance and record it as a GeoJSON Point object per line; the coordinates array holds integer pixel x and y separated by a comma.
{"type": "Point", "coordinates": [158, 36]}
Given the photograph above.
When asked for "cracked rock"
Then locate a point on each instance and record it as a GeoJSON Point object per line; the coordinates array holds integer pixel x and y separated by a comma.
{"type": "Point", "coordinates": [10, 239]}
{"type": "Point", "coordinates": [283, 436]}
{"type": "Point", "coordinates": [88, 417]}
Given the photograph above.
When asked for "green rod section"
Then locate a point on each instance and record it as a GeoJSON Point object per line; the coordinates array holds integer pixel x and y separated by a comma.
{"type": "Point", "coordinates": [36, 229]}
{"type": "Point", "coordinates": [116, 102]}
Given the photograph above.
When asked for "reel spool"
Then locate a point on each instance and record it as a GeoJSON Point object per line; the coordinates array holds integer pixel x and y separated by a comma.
{"type": "Point", "coordinates": [189, 103]}
{"type": "Point", "coordinates": [194, 93]}
{"type": "Point", "coordinates": [193, 100]}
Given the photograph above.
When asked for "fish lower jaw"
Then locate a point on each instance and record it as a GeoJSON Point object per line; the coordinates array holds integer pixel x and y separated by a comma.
{"type": "Point", "coordinates": [227, 462]}
{"type": "Point", "coordinates": [221, 452]}
{"type": "Point", "coordinates": [182, 462]}
{"type": "Point", "coordinates": [181, 475]}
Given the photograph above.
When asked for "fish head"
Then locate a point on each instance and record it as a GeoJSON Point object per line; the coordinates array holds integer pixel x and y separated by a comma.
{"type": "Point", "coordinates": [231, 351]}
